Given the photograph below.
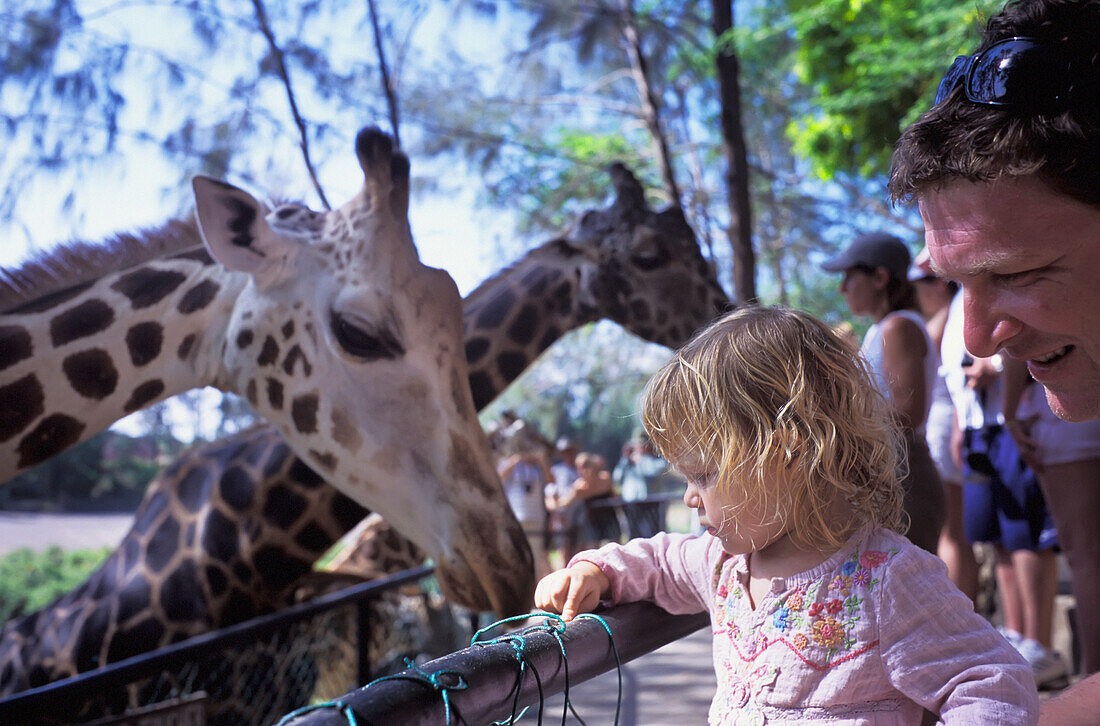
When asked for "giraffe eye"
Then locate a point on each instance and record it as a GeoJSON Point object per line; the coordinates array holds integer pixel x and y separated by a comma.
{"type": "Point", "coordinates": [361, 343]}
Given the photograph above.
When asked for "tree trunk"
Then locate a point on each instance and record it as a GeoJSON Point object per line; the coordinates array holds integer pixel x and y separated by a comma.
{"type": "Point", "coordinates": [737, 167]}
{"type": "Point", "coordinates": [651, 105]}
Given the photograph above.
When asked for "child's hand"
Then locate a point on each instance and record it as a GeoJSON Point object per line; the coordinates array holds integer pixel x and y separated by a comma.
{"type": "Point", "coordinates": [574, 590]}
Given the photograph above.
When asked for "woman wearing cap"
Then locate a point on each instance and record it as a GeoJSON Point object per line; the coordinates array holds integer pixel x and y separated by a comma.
{"type": "Point", "coordinates": [904, 362]}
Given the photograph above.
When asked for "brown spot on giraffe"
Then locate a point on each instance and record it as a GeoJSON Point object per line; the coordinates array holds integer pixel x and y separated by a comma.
{"type": "Point", "coordinates": [326, 460]}
{"type": "Point", "coordinates": [21, 402]}
{"type": "Point", "coordinates": [91, 373]}
{"type": "Point", "coordinates": [186, 345]}
{"type": "Point", "coordinates": [198, 297]}
{"type": "Point", "coordinates": [143, 395]}
{"type": "Point", "coordinates": [53, 434]}
{"type": "Point", "coordinates": [147, 286]}
{"type": "Point", "coordinates": [294, 355]}
{"type": "Point", "coordinates": [275, 393]}
{"type": "Point", "coordinates": [88, 318]}
{"type": "Point", "coordinates": [303, 412]}
{"type": "Point", "coordinates": [344, 431]}
{"type": "Point", "coordinates": [269, 353]}
{"type": "Point", "coordinates": [15, 345]}
{"type": "Point", "coordinates": [144, 342]}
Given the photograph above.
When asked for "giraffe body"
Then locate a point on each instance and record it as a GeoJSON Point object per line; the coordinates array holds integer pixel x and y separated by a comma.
{"type": "Point", "coordinates": [333, 330]}
{"type": "Point", "coordinates": [244, 519]}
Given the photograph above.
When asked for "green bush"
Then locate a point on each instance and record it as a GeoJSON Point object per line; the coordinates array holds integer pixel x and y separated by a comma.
{"type": "Point", "coordinates": [35, 579]}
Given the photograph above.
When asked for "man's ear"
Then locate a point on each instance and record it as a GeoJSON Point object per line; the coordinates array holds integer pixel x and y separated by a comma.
{"type": "Point", "coordinates": [234, 229]}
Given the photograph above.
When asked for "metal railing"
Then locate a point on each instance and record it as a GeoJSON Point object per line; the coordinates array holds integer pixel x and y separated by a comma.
{"type": "Point", "coordinates": [490, 686]}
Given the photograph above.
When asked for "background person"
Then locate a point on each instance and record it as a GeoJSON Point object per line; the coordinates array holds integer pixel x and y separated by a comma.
{"type": "Point", "coordinates": [564, 520]}
{"type": "Point", "coordinates": [524, 475]}
{"type": "Point", "coordinates": [903, 363]}
{"type": "Point", "coordinates": [1006, 170]}
{"type": "Point", "coordinates": [934, 295]}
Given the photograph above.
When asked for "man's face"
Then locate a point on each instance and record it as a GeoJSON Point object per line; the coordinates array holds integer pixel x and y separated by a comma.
{"type": "Point", "coordinates": [1028, 260]}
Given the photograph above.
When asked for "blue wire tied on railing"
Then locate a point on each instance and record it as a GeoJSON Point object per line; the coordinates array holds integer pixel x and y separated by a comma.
{"type": "Point", "coordinates": [554, 626]}
{"type": "Point", "coordinates": [340, 706]}
{"type": "Point", "coordinates": [443, 681]}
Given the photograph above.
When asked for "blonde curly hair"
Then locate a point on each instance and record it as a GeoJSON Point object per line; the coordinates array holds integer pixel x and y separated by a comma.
{"type": "Point", "coordinates": [771, 389]}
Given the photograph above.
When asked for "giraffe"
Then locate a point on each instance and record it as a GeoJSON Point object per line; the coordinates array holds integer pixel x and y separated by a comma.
{"type": "Point", "coordinates": [323, 321]}
{"type": "Point", "coordinates": [244, 554]}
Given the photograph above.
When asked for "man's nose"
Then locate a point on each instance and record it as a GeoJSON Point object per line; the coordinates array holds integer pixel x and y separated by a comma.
{"type": "Point", "coordinates": [986, 324]}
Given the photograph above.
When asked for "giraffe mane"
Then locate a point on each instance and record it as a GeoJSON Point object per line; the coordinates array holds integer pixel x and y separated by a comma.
{"type": "Point", "coordinates": [78, 263]}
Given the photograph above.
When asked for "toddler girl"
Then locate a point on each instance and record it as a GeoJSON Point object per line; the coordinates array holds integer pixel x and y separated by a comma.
{"type": "Point", "coordinates": [820, 609]}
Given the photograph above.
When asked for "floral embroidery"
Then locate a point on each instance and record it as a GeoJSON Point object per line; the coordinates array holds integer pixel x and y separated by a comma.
{"type": "Point", "coordinates": [744, 682]}
{"type": "Point", "coordinates": [842, 583]}
{"type": "Point", "coordinates": [828, 632]}
{"type": "Point", "coordinates": [820, 620]}
{"type": "Point", "coordinates": [872, 559]}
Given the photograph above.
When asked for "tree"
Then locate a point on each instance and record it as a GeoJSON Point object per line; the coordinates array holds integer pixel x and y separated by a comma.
{"type": "Point", "coordinates": [872, 68]}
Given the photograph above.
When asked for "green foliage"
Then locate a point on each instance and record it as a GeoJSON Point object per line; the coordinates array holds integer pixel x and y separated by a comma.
{"type": "Point", "coordinates": [871, 69]}
{"type": "Point", "coordinates": [109, 471]}
{"type": "Point", "coordinates": [32, 580]}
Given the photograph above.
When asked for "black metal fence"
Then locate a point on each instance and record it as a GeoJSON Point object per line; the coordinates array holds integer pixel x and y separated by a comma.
{"type": "Point", "coordinates": [253, 673]}
{"type": "Point", "coordinates": [257, 671]}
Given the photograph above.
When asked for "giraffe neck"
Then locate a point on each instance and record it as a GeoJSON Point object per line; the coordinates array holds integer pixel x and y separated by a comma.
{"type": "Point", "coordinates": [77, 361]}
{"type": "Point", "coordinates": [514, 316]}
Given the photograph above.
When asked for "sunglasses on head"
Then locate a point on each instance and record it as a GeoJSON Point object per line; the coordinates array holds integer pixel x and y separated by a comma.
{"type": "Point", "coordinates": [1012, 72]}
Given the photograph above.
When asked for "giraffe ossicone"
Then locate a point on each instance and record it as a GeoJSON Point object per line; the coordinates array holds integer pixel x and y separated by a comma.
{"type": "Point", "coordinates": [329, 325]}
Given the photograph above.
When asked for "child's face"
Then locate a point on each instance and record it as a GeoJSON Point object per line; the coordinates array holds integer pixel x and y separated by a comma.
{"type": "Point", "coordinates": [748, 533]}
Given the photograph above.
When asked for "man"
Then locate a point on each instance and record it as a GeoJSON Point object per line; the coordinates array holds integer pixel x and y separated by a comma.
{"type": "Point", "coordinates": [1006, 170]}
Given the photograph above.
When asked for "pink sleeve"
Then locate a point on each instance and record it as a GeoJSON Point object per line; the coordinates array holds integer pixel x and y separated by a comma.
{"type": "Point", "coordinates": [943, 655]}
{"type": "Point", "coordinates": [674, 571]}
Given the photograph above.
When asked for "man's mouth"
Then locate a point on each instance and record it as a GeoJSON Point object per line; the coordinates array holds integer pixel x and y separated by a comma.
{"type": "Point", "coordinates": [1052, 356]}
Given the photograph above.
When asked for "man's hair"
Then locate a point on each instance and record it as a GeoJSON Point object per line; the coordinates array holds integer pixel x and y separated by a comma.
{"type": "Point", "coordinates": [767, 390]}
{"type": "Point", "coordinates": [959, 139]}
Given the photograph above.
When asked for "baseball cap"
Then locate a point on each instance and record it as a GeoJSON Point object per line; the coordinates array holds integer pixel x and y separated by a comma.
{"type": "Point", "coordinates": [875, 249]}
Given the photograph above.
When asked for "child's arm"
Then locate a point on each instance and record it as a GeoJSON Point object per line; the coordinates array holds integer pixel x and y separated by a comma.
{"type": "Point", "coordinates": [576, 589]}
{"type": "Point", "coordinates": [943, 655]}
{"type": "Point", "coordinates": [675, 571]}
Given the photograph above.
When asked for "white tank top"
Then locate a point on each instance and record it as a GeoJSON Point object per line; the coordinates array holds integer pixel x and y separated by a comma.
{"type": "Point", "coordinates": [873, 353]}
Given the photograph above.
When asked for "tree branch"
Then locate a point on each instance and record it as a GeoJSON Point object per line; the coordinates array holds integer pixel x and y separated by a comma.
{"type": "Point", "coordinates": [387, 83]}
{"type": "Point", "coordinates": [277, 53]}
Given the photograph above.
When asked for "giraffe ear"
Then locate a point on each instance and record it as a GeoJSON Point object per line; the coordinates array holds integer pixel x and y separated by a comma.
{"type": "Point", "coordinates": [234, 229]}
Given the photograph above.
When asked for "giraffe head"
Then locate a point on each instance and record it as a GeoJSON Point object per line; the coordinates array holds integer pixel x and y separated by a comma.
{"type": "Point", "coordinates": [647, 272]}
{"type": "Point", "coordinates": [354, 348]}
